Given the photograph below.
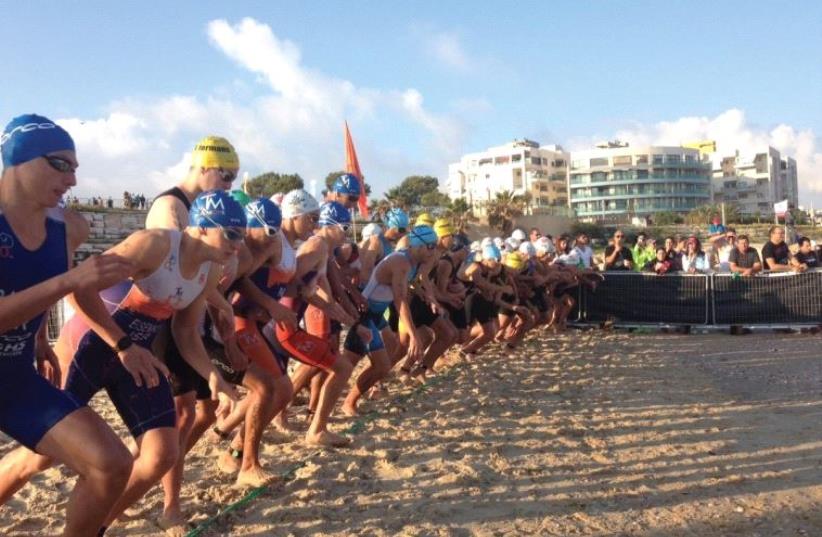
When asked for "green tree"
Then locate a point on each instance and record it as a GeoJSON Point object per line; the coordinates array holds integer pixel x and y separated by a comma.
{"type": "Point", "coordinates": [378, 207]}
{"type": "Point", "coordinates": [666, 218]}
{"type": "Point", "coordinates": [266, 184]}
{"type": "Point", "coordinates": [503, 209]}
{"type": "Point", "coordinates": [410, 192]}
{"type": "Point", "coordinates": [331, 177]}
{"type": "Point", "coordinates": [460, 213]}
{"type": "Point", "coordinates": [434, 199]}
{"type": "Point", "coordinates": [703, 214]}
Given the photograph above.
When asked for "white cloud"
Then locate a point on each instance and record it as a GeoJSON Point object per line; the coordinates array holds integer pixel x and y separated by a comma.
{"type": "Point", "coordinates": [732, 131]}
{"type": "Point", "coordinates": [293, 125]}
{"type": "Point", "coordinates": [447, 48]}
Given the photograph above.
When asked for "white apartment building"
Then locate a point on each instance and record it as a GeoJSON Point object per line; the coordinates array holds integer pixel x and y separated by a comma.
{"type": "Point", "coordinates": [754, 181]}
{"type": "Point", "coordinates": [616, 181]}
{"type": "Point", "coordinates": [519, 167]}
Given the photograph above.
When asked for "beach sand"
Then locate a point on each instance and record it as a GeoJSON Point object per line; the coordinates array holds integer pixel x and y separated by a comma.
{"type": "Point", "coordinates": [587, 434]}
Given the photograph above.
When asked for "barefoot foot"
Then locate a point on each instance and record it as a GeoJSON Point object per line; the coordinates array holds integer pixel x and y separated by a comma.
{"type": "Point", "coordinates": [326, 439]}
{"type": "Point", "coordinates": [254, 477]}
{"type": "Point", "coordinates": [229, 461]}
{"type": "Point", "coordinates": [173, 524]}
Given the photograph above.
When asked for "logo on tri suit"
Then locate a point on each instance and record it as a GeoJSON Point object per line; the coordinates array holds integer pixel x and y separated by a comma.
{"type": "Point", "coordinates": [6, 245]}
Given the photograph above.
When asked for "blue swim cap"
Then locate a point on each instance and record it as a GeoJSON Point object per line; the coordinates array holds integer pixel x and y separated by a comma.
{"type": "Point", "coordinates": [216, 208]}
{"type": "Point", "coordinates": [333, 213]}
{"type": "Point", "coordinates": [30, 136]}
{"type": "Point", "coordinates": [396, 218]}
{"type": "Point", "coordinates": [263, 212]}
{"type": "Point", "coordinates": [490, 251]}
{"type": "Point", "coordinates": [347, 184]}
{"type": "Point", "coordinates": [422, 236]}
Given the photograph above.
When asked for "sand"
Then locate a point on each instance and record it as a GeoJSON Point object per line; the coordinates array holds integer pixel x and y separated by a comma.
{"type": "Point", "coordinates": [586, 434]}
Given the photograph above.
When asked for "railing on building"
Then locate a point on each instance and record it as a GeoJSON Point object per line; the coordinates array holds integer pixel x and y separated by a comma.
{"type": "Point", "coordinates": [717, 299]}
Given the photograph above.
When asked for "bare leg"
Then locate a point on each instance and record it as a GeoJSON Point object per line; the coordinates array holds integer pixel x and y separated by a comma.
{"type": "Point", "coordinates": [380, 366]}
{"type": "Point", "coordinates": [85, 443]}
{"type": "Point", "coordinates": [269, 397]}
{"type": "Point", "coordinates": [318, 433]}
{"type": "Point", "coordinates": [173, 480]}
{"type": "Point", "coordinates": [204, 418]}
{"type": "Point", "coordinates": [158, 452]}
{"type": "Point", "coordinates": [445, 334]}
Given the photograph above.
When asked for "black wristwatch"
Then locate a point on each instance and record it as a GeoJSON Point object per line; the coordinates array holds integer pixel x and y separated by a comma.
{"type": "Point", "coordinates": [123, 343]}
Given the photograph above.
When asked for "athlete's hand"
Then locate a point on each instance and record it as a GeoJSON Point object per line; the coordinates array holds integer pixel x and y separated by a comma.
{"type": "Point", "coordinates": [100, 272]}
{"type": "Point", "coordinates": [224, 322]}
{"type": "Point", "coordinates": [236, 357]}
{"type": "Point", "coordinates": [144, 367]}
{"type": "Point", "coordinates": [48, 365]}
{"type": "Point", "coordinates": [436, 308]}
{"type": "Point", "coordinates": [360, 302]}
{"type": "Point", "coordinates": [415, 349]}
{"type": "Point", "coordinates": [283, 316]}
{"type": "Point", "coordinates": [223, 392]}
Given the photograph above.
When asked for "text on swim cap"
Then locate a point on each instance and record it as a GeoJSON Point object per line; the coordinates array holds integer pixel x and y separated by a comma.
{"type": "Point", "coordinates": [6, 136]}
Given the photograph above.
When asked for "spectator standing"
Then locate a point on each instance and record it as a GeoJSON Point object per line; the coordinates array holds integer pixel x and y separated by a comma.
{"type": "Point", "coordinates": [110, 203]}
{"type": "Point", "coordinates": [659, 263]}
{"type": "Point", "coordinates": [716, 230]}
{"type": "Point", "coordinates": [583, 251]}
{"type": "Point", "coordinates": [672, 255]}
{"type": "Point", "coordinates": [744, 259]}
{"type": "Point", "coordinates": [617, 255]}
{"type": "Point", "coordinates": [805, 258]}
{"type": "Point", "coordinates": [534, 235]}
{"type": "Point", "coordinates": [639, 253]}
{"type": "Point", "coordinates": [722, 250]}
{"type": "Point", "coordinates": [775, 253]}
{"type": "Point", "coordinates": [694, 260]}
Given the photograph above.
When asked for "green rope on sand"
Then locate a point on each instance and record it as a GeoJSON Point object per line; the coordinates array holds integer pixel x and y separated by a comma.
{"type": "Point", "coordinates": [289, 474]}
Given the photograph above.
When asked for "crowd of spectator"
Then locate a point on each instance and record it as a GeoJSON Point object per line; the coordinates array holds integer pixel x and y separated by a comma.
{"type": "Point", "coordinates": [130, 201]}
{"type": "Point", "coordinates": [725, 251]}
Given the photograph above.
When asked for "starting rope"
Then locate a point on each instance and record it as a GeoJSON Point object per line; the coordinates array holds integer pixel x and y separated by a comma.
{"type": "Point", "coordinates": [289, 474]}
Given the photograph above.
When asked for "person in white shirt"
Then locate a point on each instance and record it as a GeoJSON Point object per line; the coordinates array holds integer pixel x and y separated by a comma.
{"type": "Point", "coordinates": [582, 251]}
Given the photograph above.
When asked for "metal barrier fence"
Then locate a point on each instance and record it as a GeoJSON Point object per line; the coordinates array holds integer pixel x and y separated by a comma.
{"type": "Point", "coordinates": [704, 299]}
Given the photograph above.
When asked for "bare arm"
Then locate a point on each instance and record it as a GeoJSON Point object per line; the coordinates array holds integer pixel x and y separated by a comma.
{"type": "Point", "coordinates": [167, 212]}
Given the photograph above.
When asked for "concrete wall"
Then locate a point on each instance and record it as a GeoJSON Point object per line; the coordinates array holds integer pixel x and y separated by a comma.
{"type": "Point", "coordinates": [108, 228]}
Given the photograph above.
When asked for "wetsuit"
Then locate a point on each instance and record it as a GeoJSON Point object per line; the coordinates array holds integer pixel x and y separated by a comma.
{"type": "Point", "coordinates": [379, 296]}
{"type": "Point", "coordinates": [149, 303]}
{"type": "Point", "coordinates": [29, 405]}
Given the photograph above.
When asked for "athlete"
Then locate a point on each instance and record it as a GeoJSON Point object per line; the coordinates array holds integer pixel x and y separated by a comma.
{"type": "Point", "coordinates": [214, 166]}
{"type": "Point", "coordinates": [309, 285]}
{"type": "Point", "coordinates": [38, 241]}
{"type": "Point", "coordinates": [99, 347]}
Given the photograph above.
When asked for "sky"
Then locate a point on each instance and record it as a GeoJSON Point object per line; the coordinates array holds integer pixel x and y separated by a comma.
{"type": "Point", "coordinates": [420, 83]}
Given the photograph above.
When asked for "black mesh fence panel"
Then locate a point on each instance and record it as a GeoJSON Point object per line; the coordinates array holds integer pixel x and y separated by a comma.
{"type": "Point", "coordinates": [768, 299]}
{"type": "Point", "coordinates": [630, 297]}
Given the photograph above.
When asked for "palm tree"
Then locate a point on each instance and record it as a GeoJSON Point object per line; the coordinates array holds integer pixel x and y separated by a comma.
{"type": "Point", "coordinates": [504, 208]}
{"type": "Point", "coordinates": [378, 208]}
{"type": "Point", "coordinates": [460, 214]}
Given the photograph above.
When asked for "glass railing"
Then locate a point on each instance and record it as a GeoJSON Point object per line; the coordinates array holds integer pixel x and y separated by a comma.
{"type": "Point", "coordinates": [576, 181]}
{"type": "Point", "coordinates": [703, 194]}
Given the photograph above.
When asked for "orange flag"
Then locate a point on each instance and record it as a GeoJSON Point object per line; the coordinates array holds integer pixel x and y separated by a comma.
{"type": "Point", "coordinates": [352, 166]}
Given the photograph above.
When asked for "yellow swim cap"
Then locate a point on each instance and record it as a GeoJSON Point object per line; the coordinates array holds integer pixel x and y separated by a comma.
{"type": "Point", "coordinates": [214, 152]}
{"type": "Point", "coordinates": [424, 219]}
{"type": "Point", "coordinates": [514, 261]}
{"type": "Point", "coordinates": [443, 228]}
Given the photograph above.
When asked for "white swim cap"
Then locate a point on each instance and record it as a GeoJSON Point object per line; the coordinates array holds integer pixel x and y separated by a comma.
{"type": "Point", "coordinates": [370, 230]}
{"type": "Point", "coordinates": [527, 249]}
{"type": "Point", "coordinates": [519, 235]}
{"type": "Point", "coordinates": [297, 203]}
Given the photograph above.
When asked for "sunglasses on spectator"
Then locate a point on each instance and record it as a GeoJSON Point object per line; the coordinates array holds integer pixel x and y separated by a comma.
{"type": "Point", "coordinates": [60, 164]}
{"type": "Point", "coordinates": [231, 234]}
{"type": "Point", "coordinates": [619, 236]}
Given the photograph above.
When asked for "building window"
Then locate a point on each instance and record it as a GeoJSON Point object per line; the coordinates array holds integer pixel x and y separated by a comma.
{"type": "Point", "coordinates": [658, 159]}
{"type": "Point", "coordinates": [559, 163]}
{"type": "Point", "coordinates": [599, 162]}
{"type": "Point", "coordinates": [673, 159]}
{"type": "Point", "coordinates": [642, 174]}
{"type": "Point", "coordinates": [516, 158]}
{"type": "Point", "coordinates": [578, 164]}
{"type": "Point", "coordinates": [484, 161]}
{"type": "Point", "coordinates": [598, 177]}
{"type": "Point", "coordinates": [690, 158]}
{"type": "Point", "coordinates": [536, 161]}
{"type": "Point", "coordinates": [502, 160]}
{"type": "Point", "coordinates": [642, 159]}
{"type": "Point", "coordinates": [622, 160]}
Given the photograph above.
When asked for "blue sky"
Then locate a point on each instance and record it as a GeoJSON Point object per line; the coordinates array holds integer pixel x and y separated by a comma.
{"type": "Point", "coordinates": [419, 82]}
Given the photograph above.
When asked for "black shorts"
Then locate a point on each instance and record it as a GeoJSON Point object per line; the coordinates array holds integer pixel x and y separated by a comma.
{"type": "Point", "coordinates": [538, 300]}
{"type": "Point", "coordinates": [421, 312]}
{"type": "Point", "coordinates": [482, 309]}
{"type": "Point", "coordinates": [457, 316]}
{"type": "Point", "coordinates": [96, 367]}
{"type": "Point", "coordinates": [217, 355]}
{"type": "Point", "coordinates": [184, 378]}
{"type": "Point", "coordinates": [393, 318]}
